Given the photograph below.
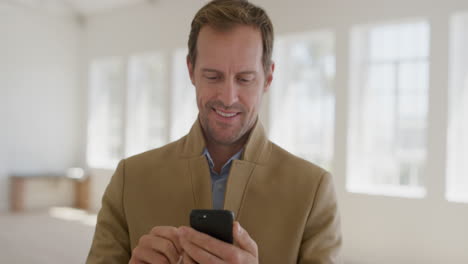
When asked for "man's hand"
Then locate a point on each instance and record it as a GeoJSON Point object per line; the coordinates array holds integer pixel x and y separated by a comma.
{"type": "Point", "coordinates": [204, 249]}
{"type": "Point", "coordinates": [160, 245]}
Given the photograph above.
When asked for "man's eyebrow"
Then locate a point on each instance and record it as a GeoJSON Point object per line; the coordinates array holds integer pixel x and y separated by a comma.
{"type": "Point", "coordinates": [210, 70]}
{"type": "Point", "coordinates": [217, 71]}
{"type": "Point", "coordinates": [248, 72]}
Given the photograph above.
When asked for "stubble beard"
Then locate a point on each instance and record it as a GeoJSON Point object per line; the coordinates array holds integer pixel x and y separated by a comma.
{"type": "Point", "coordinates": [225, 134]}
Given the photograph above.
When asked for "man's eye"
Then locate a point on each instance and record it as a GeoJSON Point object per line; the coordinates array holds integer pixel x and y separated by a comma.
{"type": "Point", "coordinates": [244, 80]}
{"type": "Point", "coordinates": [211, 77]}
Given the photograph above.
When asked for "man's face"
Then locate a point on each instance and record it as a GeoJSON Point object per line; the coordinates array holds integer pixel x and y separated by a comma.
{"type": "Point", "coordinates": [230, 81]}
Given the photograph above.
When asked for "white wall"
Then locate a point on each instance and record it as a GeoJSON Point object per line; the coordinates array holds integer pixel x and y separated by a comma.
{"type": "Point", "coordinates": [376, 229]}
{"type": "Point", "coordinates": [161, 27]}
{"type": "Point", "coordinates": [41, 97]}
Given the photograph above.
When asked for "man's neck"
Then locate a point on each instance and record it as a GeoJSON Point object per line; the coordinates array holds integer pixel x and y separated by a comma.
{"type": "Point", "coordinates": [222, 153]}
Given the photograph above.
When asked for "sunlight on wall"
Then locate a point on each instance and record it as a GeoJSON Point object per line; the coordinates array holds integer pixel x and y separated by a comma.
{"type": "Point", "coordinates": [72, 214]}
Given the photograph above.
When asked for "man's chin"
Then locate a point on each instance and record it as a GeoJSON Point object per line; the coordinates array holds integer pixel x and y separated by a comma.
{"type": "Point", "coordinates": [223, 135]}
{"type": "Point", "coordinates": [225, 140]}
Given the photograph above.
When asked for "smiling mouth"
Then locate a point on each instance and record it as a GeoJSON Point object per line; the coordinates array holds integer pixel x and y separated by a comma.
{"type": "Point", "coordinates": [226, 114]}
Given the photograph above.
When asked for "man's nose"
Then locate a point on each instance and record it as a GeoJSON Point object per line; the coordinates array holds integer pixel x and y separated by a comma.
{"type": "Point", "coordinates": [228, 93]}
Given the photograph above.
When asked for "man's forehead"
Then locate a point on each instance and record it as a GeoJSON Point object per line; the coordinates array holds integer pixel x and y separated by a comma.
{"type": "Point", "coordinates": [240, 48]}
{"type": "Point", "coordinates": [241, 36]}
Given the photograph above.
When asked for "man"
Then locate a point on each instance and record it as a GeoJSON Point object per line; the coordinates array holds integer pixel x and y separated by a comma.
{"type": "Point", "coordinates": [285, 207]}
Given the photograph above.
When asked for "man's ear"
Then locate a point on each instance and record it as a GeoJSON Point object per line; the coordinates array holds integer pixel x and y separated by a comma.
{"type": "Point", "coordinates": [190, 70]}
{"type": "Point", "coordinates": [269, 77]}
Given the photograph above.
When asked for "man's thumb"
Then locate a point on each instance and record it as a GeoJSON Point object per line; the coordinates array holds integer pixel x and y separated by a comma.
{"type": "Point", "coordinates": [243, 239]}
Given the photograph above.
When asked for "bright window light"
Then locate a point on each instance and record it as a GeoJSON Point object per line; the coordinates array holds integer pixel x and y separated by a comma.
{"type": "Point", "coordinates": [147, 104]}
{"type": "Point", "coordinates": [388, 109]}
{"type": "Point", "coordinates": [302, 99]}
{"type": "Point", "coordinates": [184, 110]}
{"type": "Point", "coordinates": [106, 112]}
{"type": "Point", "coordinates": [457, 140]}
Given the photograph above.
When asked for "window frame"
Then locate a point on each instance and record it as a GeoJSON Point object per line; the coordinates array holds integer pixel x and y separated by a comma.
{"type": "Point", "coordinates": [458, 84]}
{"type": "Point", "coordinates": [360, 63]}
{"type": "Point", "coordinates": [284, 43]}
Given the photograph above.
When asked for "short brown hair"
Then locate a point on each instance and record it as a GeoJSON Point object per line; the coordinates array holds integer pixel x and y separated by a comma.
{"type": "Point", "coordinates": [225, 14]}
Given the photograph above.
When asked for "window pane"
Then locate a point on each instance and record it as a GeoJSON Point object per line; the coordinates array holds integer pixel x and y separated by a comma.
{"type": "Point", "coordinates": [184, 109]}
{"type": "Point", "coordinates": [105, 121]}
{"type": "Point", "coordinates": [378, 123]}
{"type": "Point", "coordinates": [413, 40]}
{"type": "Point", "coordinates": [398, 41]}
{"type": "Point", "coordinates": [388, 115]}
{"type": "Point", "coordinates": [147, 115]}
{"type": "Point", "coordinates": [383, 43]}
{"type": "Point", "coordinates": [457, 152]}
{"type": "Point", "coordinates": [302, 97]}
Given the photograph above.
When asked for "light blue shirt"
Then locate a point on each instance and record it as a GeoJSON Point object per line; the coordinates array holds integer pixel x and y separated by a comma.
{"type": "Point", "coordinates": [219, 181]}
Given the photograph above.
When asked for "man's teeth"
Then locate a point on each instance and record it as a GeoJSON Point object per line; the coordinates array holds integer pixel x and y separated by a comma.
{"type": "Point", "coordinates": [225, 114]}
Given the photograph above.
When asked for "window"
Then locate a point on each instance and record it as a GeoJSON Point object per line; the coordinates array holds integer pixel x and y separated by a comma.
{"type": "Point", "coordinates": [388, 109]}
{"type": "Point", "coordinates": [302, 97]}
{"type": "Point", "coordinates": [147, 107]}
{"type": "Point", "coordinates": [128, 108]}
{"type": "Point", "coordinates": [184, 106]}
{"type": "Point", "coordinates": [457, 140]}
{"type": "Point", "coordinates": [105, 125]}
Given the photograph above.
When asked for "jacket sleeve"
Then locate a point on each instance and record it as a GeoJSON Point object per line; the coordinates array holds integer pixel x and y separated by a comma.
{"type": "Point", "coordinates": [322, 239]}
{"type": "Point", "coordinates": [111, 242]}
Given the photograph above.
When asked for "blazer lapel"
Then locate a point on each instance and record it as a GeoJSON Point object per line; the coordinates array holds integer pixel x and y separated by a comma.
{"type": "Point", "coordinates": [257, 151]}
{"type": "Point", "coordinates": [191, 148]}
{"type": "Point", "coordinates": [239, 177]}
{"type": "Point", "coordinates": [201, 182]}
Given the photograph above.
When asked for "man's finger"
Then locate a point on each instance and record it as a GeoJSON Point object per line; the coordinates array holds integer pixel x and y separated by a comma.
{"type": "Point", "coordinates": [186, 259]}
{"type": "Point", "coordinates": [145, 255]}
{"type": "Point", "coordinates": [216, 247]}
{"type": "Point", "coordinates": [198, 254]}
{"type": "Point", "coordinates": [243, 239]}
{"type": "Point", "coordinates": [169, 232]}
{"type": "Point", "coordinates": [160, 245]}
{"type": "Point", "coordinates": [136, 261]}
{"type": "Point", "coordinates": [166, 247]}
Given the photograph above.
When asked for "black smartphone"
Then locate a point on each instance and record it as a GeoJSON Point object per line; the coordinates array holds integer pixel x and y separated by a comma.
{"type": "Point", "coordinates": [216, 223]}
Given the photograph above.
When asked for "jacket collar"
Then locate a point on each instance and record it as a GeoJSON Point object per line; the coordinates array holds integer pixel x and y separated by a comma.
{"type": "Point", "coordinates": [257, 149]}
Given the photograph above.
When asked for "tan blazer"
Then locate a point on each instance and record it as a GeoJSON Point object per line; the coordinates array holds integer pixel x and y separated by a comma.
{"type": "Point", "coordinates": [287, 205]}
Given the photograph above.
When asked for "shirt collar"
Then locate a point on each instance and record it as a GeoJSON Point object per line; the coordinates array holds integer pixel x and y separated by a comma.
{"type": "Point", "coordinates": [210, 160]}
{"type": "Point", "coordinates": [257, 149]}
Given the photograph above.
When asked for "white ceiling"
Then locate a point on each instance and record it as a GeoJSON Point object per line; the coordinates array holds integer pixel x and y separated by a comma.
{"type": "Point", "coordinates": [75, 7]}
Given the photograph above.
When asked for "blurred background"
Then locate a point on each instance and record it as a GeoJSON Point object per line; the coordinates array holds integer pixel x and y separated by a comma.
{"type": "Point", "coordinates": [374, 91]}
